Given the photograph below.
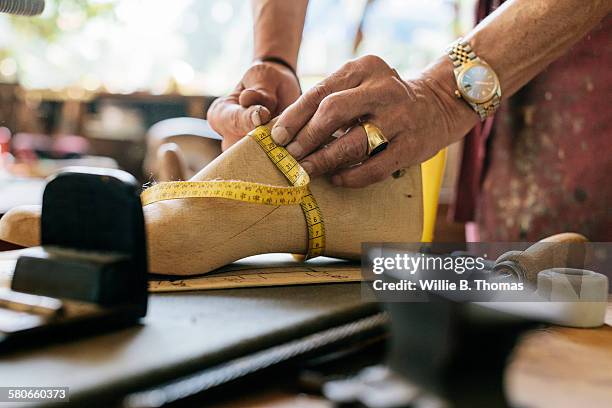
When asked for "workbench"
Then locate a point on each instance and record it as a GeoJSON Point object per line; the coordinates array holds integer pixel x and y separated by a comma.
{"type": "Point", "coordinates": [185, 332]}
{"type": "Point", "coordinates": [182, 333]}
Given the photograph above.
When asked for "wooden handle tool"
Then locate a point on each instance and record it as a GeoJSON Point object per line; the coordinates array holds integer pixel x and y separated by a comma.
{"type": "Point", "coordinates": [566, 250]}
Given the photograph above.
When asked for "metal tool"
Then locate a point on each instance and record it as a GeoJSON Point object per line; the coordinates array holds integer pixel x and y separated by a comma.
{"type": "Point", "coordinates": [90, 273]}
{"type": "Point", "coordinates": [22, 7]}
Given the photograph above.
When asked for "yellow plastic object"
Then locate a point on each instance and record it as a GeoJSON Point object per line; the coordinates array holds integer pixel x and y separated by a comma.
{"type": "Point", "coordinates": [432, 173]}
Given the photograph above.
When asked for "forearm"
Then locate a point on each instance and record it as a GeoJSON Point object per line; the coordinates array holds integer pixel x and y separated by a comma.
{"type": "Point", "coordinates": [523, 36]}
{"type": "Point", "coordinates": [518, 40]}
{"type": "Point", "coordinates": [278, 26]}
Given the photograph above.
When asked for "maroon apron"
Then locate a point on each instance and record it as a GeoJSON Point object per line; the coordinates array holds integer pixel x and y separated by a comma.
{"type": "Point", "coordinates": [543, 164]}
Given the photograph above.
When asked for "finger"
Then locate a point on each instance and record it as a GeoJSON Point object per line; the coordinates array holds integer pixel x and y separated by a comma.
{"type": "Point", "coordinates": [335, 111]}
{"type": "Point", "coordinates": [297, 114]}
{"type": "Point", "coordinates": [229, 118]}
{"type": "Point", "coordinates": [259, 115]}
{"type": "Point", "coordinates": [258, 96]}
{"type": "Point", "coordinates": [371, 171]}
{"type": "Point", "coordinates": [347, 150]}
{"type": "Point", "coordinates": [246, 119]}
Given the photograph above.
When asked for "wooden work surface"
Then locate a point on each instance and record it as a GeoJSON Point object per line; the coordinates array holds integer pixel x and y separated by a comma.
{"type": "Point", "coordinates": [564, 367]}
{"type": "Point", "coordinates": [552, 367]}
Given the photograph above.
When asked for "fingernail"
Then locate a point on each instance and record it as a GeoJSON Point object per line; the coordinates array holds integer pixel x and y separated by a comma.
{"type": "Point", "coordinates": [295, 150]}
{"type": "Point", "coordinates": [256, 117]}
{"type": "Point", "coordinates": [280, 135]}
{"type": "Point", "coordinates": [307, 166]}
{"type": "Point", "coordinates": [336, 180]}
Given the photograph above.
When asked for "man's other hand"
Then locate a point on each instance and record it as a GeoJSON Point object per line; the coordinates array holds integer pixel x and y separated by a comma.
{"type": "Point", "coordinates": [418, 117]}
{"type": "Point", "coordinates": [265, 90]}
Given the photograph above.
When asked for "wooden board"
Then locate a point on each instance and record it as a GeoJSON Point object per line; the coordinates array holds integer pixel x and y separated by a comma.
{"type": "Point", "coordinates": [256, 271]}
{"type": "Point", "coordinates": [265, 270]}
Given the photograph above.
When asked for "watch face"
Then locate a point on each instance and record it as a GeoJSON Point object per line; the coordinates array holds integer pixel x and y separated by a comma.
{"type": "Point", "coordinates": [478, 83]}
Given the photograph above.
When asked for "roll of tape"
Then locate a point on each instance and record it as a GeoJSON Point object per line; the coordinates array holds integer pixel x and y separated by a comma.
{"type": "Point", "coordinates": [583, 294]}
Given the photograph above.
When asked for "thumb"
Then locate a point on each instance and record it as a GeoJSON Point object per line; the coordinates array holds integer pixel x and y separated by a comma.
{"type": "Point", "coordinates": [240, 121]}
{"type": "Point", "coordinates": [254, 116]}
{"type": "Point", "coordinates": [259, 115]}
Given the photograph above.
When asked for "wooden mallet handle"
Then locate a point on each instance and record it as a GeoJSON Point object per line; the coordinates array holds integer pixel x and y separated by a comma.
{"type": "Point", "coordinates": [565, 250]}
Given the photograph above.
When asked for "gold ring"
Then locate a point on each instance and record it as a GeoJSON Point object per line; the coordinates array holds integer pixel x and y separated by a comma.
{"type": "Point", "coordinates": [377, 142]}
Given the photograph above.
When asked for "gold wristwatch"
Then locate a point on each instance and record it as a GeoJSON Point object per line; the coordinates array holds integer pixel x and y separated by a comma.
{"type": "Point", "coordinates": [477, 83]}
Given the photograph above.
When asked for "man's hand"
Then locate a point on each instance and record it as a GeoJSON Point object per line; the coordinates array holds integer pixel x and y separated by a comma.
{"type": "Point", "coordinates": [265, 90]}
{"type": "Point", "coordinates": [418, 117]}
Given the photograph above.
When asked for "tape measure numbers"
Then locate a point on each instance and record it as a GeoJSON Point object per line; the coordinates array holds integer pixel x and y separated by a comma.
{"type": "Point", "coordinates": [297, 193]}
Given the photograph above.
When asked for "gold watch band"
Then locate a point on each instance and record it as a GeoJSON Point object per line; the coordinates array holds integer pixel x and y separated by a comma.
{"type": "Point", "coordinates": [485, 110]}
{"type": "Point", "coordinates": [461, 53]}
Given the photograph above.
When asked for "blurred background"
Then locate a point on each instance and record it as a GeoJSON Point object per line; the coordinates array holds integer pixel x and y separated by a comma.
{"type": "Point", "coordinates": [89, 78]}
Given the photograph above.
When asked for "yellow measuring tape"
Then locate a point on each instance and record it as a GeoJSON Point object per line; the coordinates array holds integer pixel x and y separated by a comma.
{"type": "Point", "coordinates": [297, 193]}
